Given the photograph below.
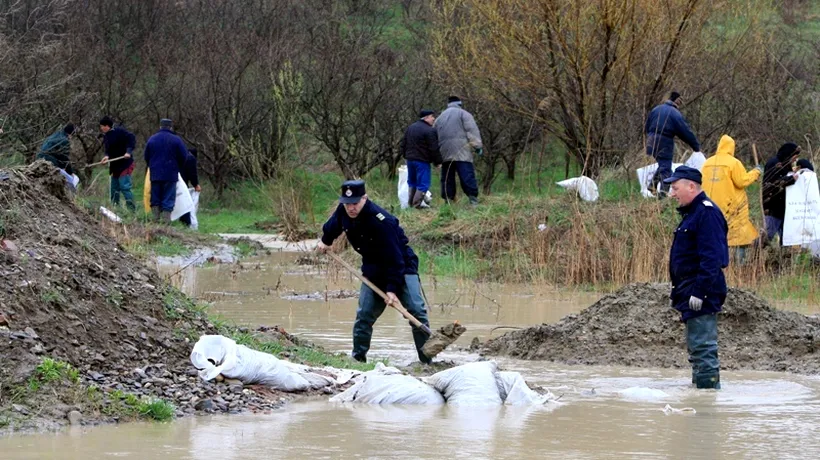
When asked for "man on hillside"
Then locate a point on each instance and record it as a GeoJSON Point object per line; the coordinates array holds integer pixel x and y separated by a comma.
{"type": "Point", "coordinates": [458, 137]}
{"type": "Point", "coordinates": [388, 261]}
{"type": "Point", "coordinates": [119, 146]}
{"type": "Point", "coordinates": [57, 149]}
{"type": "Point", "coordinates": [725, 181]}
{"type": "Point", "coordinates": [776, 177]}
{"type": "Point", "coordinates": [420, 148]}
{"type": "Point", "coordinates": [699, 254]}
{"type": "Point", "coordinates": [165, 154]}
{"type": "Point", "coordinates": [663, 124]}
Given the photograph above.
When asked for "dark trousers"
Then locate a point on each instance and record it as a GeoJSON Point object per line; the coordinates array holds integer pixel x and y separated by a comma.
{"type": "Point", "coordinates": [163, 194]}
{"type": "Point", "coordinates": [701, 342]}
{"type": "Point", "coordinates": [122, 185]}
{"type": "Point", "coordinates": [418, 175]}
{"type": "Point", "coordinates": [664, 171]}
{"type": "Point", "coordinates": [466, 175]}
{"type": "Point", "coordinates": [371, 306]}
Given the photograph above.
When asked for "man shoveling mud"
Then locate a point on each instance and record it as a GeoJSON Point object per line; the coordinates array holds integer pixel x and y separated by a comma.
{"type": "Point", "coordinates": [387, 261]}
{"type": "Point", "coordinates": [700, 252]}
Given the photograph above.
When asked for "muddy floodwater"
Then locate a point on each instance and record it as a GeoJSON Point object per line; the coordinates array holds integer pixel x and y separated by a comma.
{"type": "Point", "coordinates": [603, 412]}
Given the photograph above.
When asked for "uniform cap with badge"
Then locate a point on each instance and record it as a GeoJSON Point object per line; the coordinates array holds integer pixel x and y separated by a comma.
{"type": "Point", "coordinates": [352, 191]}
{"type": "Point", "coordinates": [684, 172]}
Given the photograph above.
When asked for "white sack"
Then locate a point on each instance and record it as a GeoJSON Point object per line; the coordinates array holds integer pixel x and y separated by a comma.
{"type": "Point", "coordinates": [643, 394]}
{"type": "Point", "coordinates": [586, 188]}
{"type": "Point", "coordinates": [516, 392]}
{"type": "Point", "coordinates": [390, 389]}
{"type": "Point", "coordinates": [472, 384]}
{"type": "Point", "coordinates": [110, 215]}
{"type": "Point", "coordinates": [195, 208]}
{"type": "Point", "coordinates": [404, 190]}
{"type": "Point", "coordinates": [696, 160]}
{"type": "Point", "coordinates": [645, 178]}
{"type": "Point", "coordinates": [183, 203]}
{"type": "Point", "coordinates": [801, 225]}
{"type": "Point", "coordinates": [215, 354]}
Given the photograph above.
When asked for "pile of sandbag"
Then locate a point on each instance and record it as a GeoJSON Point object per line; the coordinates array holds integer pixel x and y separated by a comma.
{"type": "Point", "coordinates": [473, 384]}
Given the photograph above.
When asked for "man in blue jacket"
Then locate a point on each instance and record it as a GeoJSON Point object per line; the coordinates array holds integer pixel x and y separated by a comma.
{"type": "Point", "coordinates": [700, 252]}
{"type": "Point", "coordinates": [419, 147]}
{"type": "Point", "coordinates": [387, 261]}
{"type": "Point", "coordinates": [165, 154]}
{"type": "Point", "coordinates": [119, 143]}
{"type": "Point", "coordinates": [663, 124]}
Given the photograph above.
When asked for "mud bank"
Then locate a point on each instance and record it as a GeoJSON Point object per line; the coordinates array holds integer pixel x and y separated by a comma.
{"type": "Point", "coordinates": [636, 327]}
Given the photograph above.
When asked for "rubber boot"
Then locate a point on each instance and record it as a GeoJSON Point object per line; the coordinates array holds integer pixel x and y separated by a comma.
{"type": "Point", "coordinates": [411, 192]}
{"type": "Point", "coordinates": [166, 217]}
{"type": "Point", "coordinates": [473, 200]}
{"type": "Point", "coordinates": [155, 213]}
{"type": "Point", "coordinates": [418, 198]}
{"type": "Point", "coordinates": [361, 359]}
{"type": "Point", "coordinates": [708, 381]}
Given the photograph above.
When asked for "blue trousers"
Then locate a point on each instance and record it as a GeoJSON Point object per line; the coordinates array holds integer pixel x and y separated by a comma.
{"type": "Point", "coordinates": [418, 175]}
{"type": "Point", "coordinates": [371, 306]}
{"type": "Point", "coordinates": [664, 171]}
{"type": "Point", "coordinates": [774, 226]}
{"type": "Point", "coordinates": [701, 342]}
{"type": "Point", "coordinates": [466, 175]}
{"type": "Point", "coordinates": [163, 194]}
{"type": "Point", "coordinates": [122, 185]}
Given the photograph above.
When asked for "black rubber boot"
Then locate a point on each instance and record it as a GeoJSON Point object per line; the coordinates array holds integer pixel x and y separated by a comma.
{"type": "Point", "coordinates": [708, 381]}
{"type": "Point", "coordinates": [155, 213]}
{"type": "Point", "coordinates": [361, 359]}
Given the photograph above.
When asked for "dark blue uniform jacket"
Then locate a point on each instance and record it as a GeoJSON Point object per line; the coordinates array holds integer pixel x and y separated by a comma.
{"type": "Point", "coordinates": [699, 254]}
{"type": "Point", "coordinates": [165, 154]}
{"type": "Point", "coordinates": [663, 124]}
{"type": "Point", "coordinates": [377, 236]}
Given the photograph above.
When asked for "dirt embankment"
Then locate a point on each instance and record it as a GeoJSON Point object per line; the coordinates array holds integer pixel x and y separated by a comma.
{"type": "Point", "coordinates": [636, 327]}
{"type": "Point", "coordinates": [70, 292]}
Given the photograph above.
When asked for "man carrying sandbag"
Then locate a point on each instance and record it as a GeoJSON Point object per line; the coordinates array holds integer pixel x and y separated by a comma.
{"type": "Point", "coordinates": [165, 154]}
{"type": "Point", "coordinates": [699, 254]}
{"type": "Point", "coordinates": [725, 181]}
{"type": "Point", "coordinates": [387, 261]}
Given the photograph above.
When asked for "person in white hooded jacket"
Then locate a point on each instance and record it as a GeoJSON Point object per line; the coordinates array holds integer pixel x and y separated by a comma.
{"type": "Point", "coordinates": [458, 139]}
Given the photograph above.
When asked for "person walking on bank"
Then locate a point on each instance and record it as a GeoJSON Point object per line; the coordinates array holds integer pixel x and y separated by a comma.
{"type": "Point", "coordinates": [165, 154]}
{"type": "Point", "coordinates": [698, 256]}
{"type": "Point", "coordinates": [420, 148]}
{"type": "Point", "coordinates": [458, 137]}
{"type": "Point", "coordinates": [776, 177]}
{"type": "Point", "coordinates": [57, 149]}
{"type": "Point", "coordinates": [387, 261]}
{"type": "Point", "coordinates": [662, 125]}
{"type": "Point", "coordinates": [725, 181]}
{"type": "Point", "coordinates": [118, 142]}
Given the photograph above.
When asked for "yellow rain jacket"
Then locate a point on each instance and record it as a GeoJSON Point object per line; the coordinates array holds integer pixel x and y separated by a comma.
{"type": "Point", "coordinates": [724, 181]}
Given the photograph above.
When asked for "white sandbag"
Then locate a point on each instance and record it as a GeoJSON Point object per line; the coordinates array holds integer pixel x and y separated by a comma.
{"type": "Point", "coordinates": [586, 188]}
{"type": "Point", "coordinates": [643, 394]}
{"type": "Point", "coordinates": [376, 388]}
{"type": "Point", "coordinates": [516, 392]}
{"type": "Point", "coordinates": [195, 208]}
{"type": "Point", "coordinates": [472, 384]}
{"type": "Point", "coordinates": [404, 190]}
{"type": "Point", "coordinates": [215, 354]}
{"type": "Point", "coordinates": [696, 160]}
{"type": "Point", "coordinates": [110, 215]}
{"type": "Point", "coordinates": [183, 203]}
{"type": "Point", "coordinates": [801, 225]}
{"type": "Point", "coordinates": [645, 175]}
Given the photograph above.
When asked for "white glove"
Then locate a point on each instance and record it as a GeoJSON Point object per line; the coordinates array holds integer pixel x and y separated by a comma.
{"type": "Point", "coordinates": [695, 304]}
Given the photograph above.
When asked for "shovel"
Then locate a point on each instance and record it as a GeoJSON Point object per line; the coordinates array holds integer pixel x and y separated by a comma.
{"type": "Point", "coordinates": [436, 341]}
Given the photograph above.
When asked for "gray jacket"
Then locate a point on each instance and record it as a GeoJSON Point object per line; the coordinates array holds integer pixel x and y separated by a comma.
{"type": "Point", "coordinates": [458, 134]}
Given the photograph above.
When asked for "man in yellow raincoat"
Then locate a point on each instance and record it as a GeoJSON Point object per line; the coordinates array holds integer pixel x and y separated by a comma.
{"type": "Point", "coordinates": [724, 181]}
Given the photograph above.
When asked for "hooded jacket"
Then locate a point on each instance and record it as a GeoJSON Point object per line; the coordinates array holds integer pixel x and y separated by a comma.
{"type": "Point", "coordinates": [457, 133]}
{"type": "Point", "coordinates": [724, 181]}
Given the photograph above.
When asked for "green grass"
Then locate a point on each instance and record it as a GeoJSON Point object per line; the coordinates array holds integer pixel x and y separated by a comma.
{"type": "Point", "coordinates": [128, 405]}
{"type": "Point", "coordinates": [160, 246]}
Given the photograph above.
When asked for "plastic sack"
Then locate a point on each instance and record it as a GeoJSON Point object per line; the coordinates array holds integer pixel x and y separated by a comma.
{"type": "Point", "coordinates": [801, 225]}
{"type": "Point", "coordinates": [183, 203]}
{"type": "Point", "coordinates": [404, 189]}
{"type": "Point", "coordinates": [645, 175]}
{"type": "Point", "coordinates": [215, 354]}
{"type": "Point", "coordinates": [643, 394]}
{"type": "Point", "coordinates": [696, 160]}
{"type": "Point", "coordinates": [110, 215]}
{"type": "Point", "coordinates": [375, 388]}
{"type": "Point", "coordinates": [586, 188]}
{"type": "Point", "coordinates": [472, 384]}
{"type": "Point", "coordinates": [516, 392]}
{"type": "Point", "coordinates": [195, 200]}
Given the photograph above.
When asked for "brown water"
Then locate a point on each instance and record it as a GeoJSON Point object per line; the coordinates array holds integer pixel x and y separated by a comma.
{"type": "Point", "coordinates": [605, 412]}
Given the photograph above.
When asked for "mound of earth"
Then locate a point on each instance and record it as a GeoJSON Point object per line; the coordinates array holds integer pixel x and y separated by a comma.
{"type": "Point", "coordinates": [636, 327]}
{"type": "Point", "coordinates": [69, 291]}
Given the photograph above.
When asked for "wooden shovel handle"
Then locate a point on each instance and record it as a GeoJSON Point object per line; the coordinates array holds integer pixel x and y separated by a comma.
{"type": "Point", "coordinates": [395, 304]}
{"type": "Point", "coordinates": [101, 163]}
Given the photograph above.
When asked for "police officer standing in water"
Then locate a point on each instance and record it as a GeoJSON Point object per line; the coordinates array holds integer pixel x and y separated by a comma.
{"type": "Point", "coordinates": [700, 252]}
{"type": "Point", "coordinates": [387, 261]}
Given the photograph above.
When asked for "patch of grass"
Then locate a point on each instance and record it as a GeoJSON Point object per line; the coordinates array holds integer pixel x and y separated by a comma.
{"type": "Point", "coordinates": [159, 246]}
{"type": "Point", "coordinates": [244, 248]}
{"type": "Point", "coordinates": [159, 410]}
{"type": "Point", "coordinates": [51, 295]}
{"type": "Point", "coordinates": [177, 304]}
{"type": "Point", "coordinates": [128, 405]}
{"type": "Point", "coordinates": [47, 372]}
{"type": "Point", "coordinates": [114, 298]}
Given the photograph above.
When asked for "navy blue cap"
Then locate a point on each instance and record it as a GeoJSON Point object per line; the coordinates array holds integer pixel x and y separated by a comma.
{"type": "Point", "coordinates": [425, 113]}
{"type": "Point", "coordinates": [352, 191]}
{"type": "Point", "coordinates": [684, 172]}
{"type": "Point", "coordinates": [166, 123]}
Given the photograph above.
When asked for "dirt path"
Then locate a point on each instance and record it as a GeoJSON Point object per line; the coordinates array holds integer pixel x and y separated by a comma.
{"type": "Point", "coordinates": [636, 327]}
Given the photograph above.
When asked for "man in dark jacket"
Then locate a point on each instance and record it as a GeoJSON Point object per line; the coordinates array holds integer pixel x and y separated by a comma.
{"type": "Point", "coordinates": [776, 177]}
{"type": "Point", "coordinates": [419, 147]}
{"type": "Point", "coordinates": [387, 261]}
{"type": "Point", "coordinates": [663, 124]}
{"type": "Point", "coordinates": [119, 144]}
{"type": "Point", "coordinates": [700, 252]}
{"type": "Point", "coordinates": [165, 154]}
{"type": "Point", "coordinates": [57, 149]}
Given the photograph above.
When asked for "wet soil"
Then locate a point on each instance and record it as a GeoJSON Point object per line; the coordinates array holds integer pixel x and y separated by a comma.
{"type": "Point", "coordinates": [636, 327]}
